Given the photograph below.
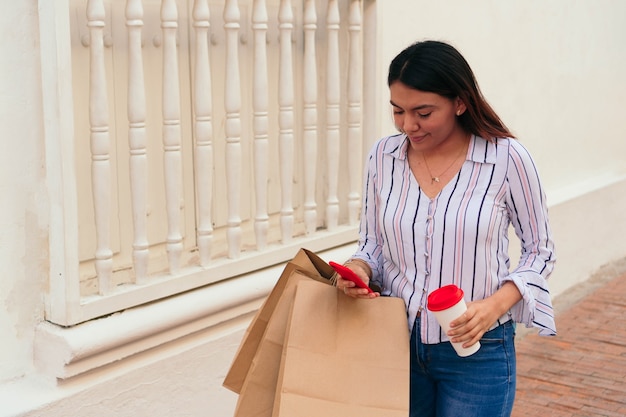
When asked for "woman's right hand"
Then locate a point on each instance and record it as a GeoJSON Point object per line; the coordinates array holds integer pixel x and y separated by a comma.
{"type": "Point", "coordinates": [350, 288]}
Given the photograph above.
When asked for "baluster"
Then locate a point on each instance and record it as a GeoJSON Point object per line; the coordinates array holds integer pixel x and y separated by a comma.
{"type": "Point", "coordinates": [232, 101]}
{"type": "Point", "coordinates": [100, 145]}
{"type": "Point", "coordinates": [332, 114]}
{"type": "Point", "coordinates": [136, 112]}
{"type": "Point", "coordinates": [310, 117]}
{"type": "Point", "coordinates": [285, 119]}
{"type": "Point", "coordinates": [203, 131]}
{"type": "Point", "coordinates": [355, 140]}
{"type": "Point", "coordinates": [260, 107]}
{"type": "Point", "coordinates": [171, 133]}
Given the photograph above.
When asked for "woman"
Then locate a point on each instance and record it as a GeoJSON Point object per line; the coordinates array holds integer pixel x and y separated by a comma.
{"type": "Point", "coordinates": [439, 198]}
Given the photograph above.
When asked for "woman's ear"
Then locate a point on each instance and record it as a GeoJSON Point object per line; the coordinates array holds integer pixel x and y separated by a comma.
{"type": "Point", "coordinates": [460, 106]}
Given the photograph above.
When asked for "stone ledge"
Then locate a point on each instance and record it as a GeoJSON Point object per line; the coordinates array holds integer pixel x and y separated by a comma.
{"type": "Point", "coordinates": [66, 352]}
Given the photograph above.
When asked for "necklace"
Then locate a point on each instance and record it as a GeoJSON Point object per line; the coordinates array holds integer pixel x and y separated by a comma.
{"type": "Point", "coordinates": [436, 178]}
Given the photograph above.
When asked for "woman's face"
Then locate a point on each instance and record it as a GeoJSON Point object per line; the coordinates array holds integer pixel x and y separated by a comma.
{"type": "Point", "coordinates": [428, 119]}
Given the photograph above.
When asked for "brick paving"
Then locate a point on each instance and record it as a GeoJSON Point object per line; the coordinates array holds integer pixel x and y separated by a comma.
{"type": "Point", "coordinates": [582, 371]}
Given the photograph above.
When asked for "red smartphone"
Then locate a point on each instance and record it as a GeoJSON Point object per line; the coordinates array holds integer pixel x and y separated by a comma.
{"type": "Point", "coordinates": [347, 273]}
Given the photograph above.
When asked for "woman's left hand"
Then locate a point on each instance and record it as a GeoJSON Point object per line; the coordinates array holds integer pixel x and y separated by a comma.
{"type": "Point", "coordinates": [474, 323]}
{"type": "Point", "coordinates": [482, 314]}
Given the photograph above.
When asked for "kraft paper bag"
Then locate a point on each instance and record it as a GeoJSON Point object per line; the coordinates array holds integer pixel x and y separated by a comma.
{"type": "Point", "coordinates": [308, 264]}
{"type": "Point", "coordinates": [343, 357]}
{"type": "Point", "coordinates": [256, 398]}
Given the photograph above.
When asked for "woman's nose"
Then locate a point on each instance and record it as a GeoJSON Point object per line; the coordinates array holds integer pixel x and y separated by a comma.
{"type": "Point", "coordinates": [410, 124]}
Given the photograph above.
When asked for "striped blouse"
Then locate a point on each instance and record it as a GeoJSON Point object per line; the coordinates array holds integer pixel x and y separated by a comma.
{"type": "Point", "coordinates": [415, 244]}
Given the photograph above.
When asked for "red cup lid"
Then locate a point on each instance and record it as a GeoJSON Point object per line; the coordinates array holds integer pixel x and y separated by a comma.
{"type": "Point", "coordinates": [444, 297]}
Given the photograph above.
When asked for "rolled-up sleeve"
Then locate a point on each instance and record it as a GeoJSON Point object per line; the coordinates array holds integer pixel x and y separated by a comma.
{"type": "Point", "coordinates": [528, 212]}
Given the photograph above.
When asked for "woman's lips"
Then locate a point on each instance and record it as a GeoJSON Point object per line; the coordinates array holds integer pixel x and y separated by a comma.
{"type": "Point", "coordinates": [417, 138]}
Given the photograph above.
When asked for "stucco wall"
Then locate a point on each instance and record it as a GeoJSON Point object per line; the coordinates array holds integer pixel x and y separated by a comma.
{"type": "Point", "coordinates": [553, 71]}
{"type": "Point", "coordinates": [22, 190]}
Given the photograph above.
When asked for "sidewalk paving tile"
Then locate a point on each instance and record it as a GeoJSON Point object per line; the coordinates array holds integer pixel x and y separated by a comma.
{"type": "Point", "coordinates": [581, 372]}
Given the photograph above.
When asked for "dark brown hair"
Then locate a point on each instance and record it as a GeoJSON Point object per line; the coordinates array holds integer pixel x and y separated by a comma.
{"type": "Point", "coordinates": [437, 67]}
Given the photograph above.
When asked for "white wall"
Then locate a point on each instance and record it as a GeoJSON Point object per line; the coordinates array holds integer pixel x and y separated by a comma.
{"type": "Point", "coordinates": [553, 71]}
{"type": "Point", "coordinates": [22, 210]}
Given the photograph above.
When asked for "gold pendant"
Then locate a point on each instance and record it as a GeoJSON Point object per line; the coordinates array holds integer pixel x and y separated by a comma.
{"type": "Point", "coordinates": [434, 180]}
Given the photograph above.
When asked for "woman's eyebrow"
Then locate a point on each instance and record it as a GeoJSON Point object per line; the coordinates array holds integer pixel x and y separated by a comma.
{"type": "Point", "coordinates": [420, 107]}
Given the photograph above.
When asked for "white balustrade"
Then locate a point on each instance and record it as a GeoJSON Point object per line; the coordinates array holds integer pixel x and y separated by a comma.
{"type": "Point", "coordinates": [100, 145]}
{"type": "Point", "coordinates": [285, 119]}
{"type": "Point", "coordinates": [333, 114]}
{"type": "Point", "coordinates": [260, 99]}
{"type": "Point", "coordinates": [279, 111]}
{"type": "Point", "coordinates": [309, 97]}
{"type": "Point", "coordinates": [355, 135]}
{"type": "Point", "coordinates": [232, 101]}
{"type": "Point", "coordinates": [136, 112]}
{"type": "Point", "coordinates": [172, 158]}
{"type": "Point", "coordinates": [203, 131]}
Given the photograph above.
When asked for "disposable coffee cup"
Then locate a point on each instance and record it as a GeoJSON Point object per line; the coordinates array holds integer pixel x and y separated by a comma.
{"type": "Point", "coordinates": [447, 303]}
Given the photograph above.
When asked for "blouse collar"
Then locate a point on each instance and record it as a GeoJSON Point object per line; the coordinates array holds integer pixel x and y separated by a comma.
{"type": "Point", "coordinates": [479, 150]}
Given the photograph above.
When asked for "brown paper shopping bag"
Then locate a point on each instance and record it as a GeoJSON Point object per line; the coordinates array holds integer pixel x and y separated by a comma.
{"type": "Point", "coordinates": [256, 398]}
{"type": "Point", "coordinates": [343, 357]}
{"type": "Point", "coordinates": [308, 264]}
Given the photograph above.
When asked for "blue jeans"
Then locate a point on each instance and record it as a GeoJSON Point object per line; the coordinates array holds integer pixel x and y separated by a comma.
{"type": "Point", "coordinates": [444, 384]}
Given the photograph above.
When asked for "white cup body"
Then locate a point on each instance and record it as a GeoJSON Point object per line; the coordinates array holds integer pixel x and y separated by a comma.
{"type": "Point", "coordinates": [444, 317]}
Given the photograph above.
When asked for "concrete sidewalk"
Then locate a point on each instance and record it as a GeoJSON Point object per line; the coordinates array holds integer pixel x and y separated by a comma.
{"type": "Point", "coordinates": [581, 371]}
